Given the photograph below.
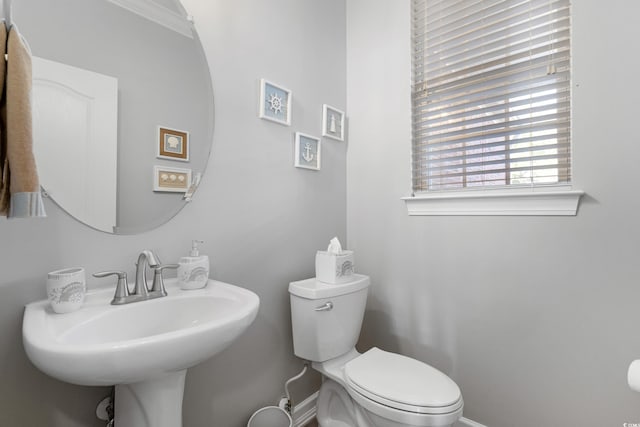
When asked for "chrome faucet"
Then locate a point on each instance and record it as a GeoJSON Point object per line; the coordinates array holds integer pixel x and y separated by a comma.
{"type": "Point", "coordinates": [141, 291]}
{"type": "Point", "coordinates": [145, 257]}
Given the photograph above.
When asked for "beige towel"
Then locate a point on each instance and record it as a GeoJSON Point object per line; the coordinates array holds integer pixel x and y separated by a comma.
{"type": "Point", "coordinates": [4, 162]}
{"type": "Point", "coordinates": [19, 170]}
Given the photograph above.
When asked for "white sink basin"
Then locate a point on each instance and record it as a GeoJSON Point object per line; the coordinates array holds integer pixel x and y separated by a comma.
{"type": "Point", "coordinates": [104, 344]}
{"type": "Point", "coordinates": [141, 342]}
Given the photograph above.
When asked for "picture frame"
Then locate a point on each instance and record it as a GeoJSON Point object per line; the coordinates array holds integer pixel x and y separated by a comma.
{"type": "Point", "coordinates": [170, 179]}
{"type": "Point", "coordinates": [275, 103]}
{"type": "Point", "coordinates": [308, 150]}
{"type": "Point", "coordinates": [332, 122]}
{"type": "Point", "coordinates": [173, 144]}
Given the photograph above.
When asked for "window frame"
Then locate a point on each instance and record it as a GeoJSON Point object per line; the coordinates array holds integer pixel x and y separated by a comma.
{"type": "Point", "coordinates": [559, 199]}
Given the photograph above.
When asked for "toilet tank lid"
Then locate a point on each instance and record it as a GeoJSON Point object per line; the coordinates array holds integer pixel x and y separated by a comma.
{"type": "Point", "coordinates": [314, 289]}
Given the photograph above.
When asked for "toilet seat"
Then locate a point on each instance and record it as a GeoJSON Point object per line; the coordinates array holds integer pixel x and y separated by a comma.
{"type": "Point", "coordinates": [402, 383]}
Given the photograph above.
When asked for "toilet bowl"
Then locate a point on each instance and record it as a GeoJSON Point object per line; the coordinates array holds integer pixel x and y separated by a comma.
{"type": "Point", "coordinates": [372, 389]}
{"type": "Point", "coordinates": [382, 389]}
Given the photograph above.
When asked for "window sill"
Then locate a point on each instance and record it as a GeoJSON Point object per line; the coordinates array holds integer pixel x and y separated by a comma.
{"type": "Point", "coordinates": [541, 201]}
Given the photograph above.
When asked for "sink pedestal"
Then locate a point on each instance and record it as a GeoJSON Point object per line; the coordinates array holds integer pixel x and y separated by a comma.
{"type": "Point", "coordinates": [152, 403]}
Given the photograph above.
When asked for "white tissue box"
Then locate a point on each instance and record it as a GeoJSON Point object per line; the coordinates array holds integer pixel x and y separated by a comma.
{"type": "Point", "coordinates": [334, 268]}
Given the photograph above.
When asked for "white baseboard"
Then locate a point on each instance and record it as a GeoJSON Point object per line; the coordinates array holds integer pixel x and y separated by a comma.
{"type": "Point", "coordinates": [305, 411]}
{"type": "Point", "coordinates": [465, 422]}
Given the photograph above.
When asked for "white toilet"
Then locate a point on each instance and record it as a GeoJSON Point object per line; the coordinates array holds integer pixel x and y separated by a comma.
{"type": "Point", "coordinates": [374, 389]}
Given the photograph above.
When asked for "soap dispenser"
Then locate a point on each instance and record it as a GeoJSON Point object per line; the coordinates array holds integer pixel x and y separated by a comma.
{"type": "Point", "coordinates": [193, 270]}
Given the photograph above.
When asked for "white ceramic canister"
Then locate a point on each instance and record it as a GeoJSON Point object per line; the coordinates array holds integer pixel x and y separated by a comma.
{"type": "Point", "coordinates": [66, 289]}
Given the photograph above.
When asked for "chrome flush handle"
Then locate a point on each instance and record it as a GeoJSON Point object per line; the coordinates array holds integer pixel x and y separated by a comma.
{"type": "Point", "coordinates": [326, 307]}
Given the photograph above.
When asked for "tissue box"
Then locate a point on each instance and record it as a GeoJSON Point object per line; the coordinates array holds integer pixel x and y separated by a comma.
{"type": "Point", "coordinates": [334, 268]}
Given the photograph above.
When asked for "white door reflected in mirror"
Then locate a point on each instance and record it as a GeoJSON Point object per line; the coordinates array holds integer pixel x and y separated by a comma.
{"type": "Point", "coordinates": [75, 123]}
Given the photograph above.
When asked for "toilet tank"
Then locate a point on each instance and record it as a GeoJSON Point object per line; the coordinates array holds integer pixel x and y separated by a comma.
{"type": "Point", "coordinates": [327, 318]}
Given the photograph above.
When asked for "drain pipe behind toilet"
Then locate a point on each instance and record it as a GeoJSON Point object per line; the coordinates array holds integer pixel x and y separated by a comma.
{"type": "Point", "coordinates": [283, 413]}
{"type": "Point", "coordinates": [286, 403]}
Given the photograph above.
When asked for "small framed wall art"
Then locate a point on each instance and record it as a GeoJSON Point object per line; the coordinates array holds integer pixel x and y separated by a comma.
{"type": "Point", "coordinates": [173, 144]}
{"type": "Point", "coordinates": [332, 123]}
{"type": "Point", "coordinates": [175, 180]}
{"type": "Point", "coordinates": [275, 103]}
{"type": "Point", "coordinates": [307, 152]}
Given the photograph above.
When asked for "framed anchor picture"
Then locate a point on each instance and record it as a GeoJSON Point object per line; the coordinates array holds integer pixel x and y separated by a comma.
{"type": "Point", "coordinates": [307, 151]}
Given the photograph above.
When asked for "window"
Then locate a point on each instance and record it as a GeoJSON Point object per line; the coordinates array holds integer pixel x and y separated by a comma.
{"type": "Point", "coordinates": [491, 94]}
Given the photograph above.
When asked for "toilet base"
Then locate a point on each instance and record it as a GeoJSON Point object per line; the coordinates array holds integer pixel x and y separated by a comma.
{"type": "Point", "coordinates": [336, 408]}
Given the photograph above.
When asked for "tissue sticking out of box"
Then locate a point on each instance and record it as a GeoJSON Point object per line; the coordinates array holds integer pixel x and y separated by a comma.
{"type": "Point", "coordinates": [334, 246]}
{"type": "Point", "coordinates": [335, 265]}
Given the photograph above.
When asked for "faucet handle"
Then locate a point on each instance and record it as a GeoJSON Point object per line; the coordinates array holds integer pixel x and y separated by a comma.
{"type": "Point", "coordinates": [122, 288]}
{"type": "Point", "coordinates": [158, 281]}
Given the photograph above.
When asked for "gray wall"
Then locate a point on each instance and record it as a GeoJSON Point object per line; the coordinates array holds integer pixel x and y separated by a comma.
{"type": "Point", "coordinates": [534, 317]}
{"type": "Point", "coordinates": [262, 219]}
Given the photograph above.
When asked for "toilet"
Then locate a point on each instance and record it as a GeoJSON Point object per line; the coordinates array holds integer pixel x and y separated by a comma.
{"type": "Point", "coordinates": [372, 389]}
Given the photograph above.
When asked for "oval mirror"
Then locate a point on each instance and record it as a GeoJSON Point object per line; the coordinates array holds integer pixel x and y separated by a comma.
{"type": "Point", "coordinates": [123, 108]}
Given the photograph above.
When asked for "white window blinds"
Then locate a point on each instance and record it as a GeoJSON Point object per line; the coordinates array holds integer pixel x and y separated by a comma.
{"type": "Point", "coordinates": [491, 93]}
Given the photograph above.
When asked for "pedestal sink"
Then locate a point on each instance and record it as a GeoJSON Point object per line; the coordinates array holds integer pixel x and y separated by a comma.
{"type": "Point", "coordinates": [143, 348]}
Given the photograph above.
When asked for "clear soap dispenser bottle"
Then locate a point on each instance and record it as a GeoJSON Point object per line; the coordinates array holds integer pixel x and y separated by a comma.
{"type": "Point", "coordinates": [193, 270]}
